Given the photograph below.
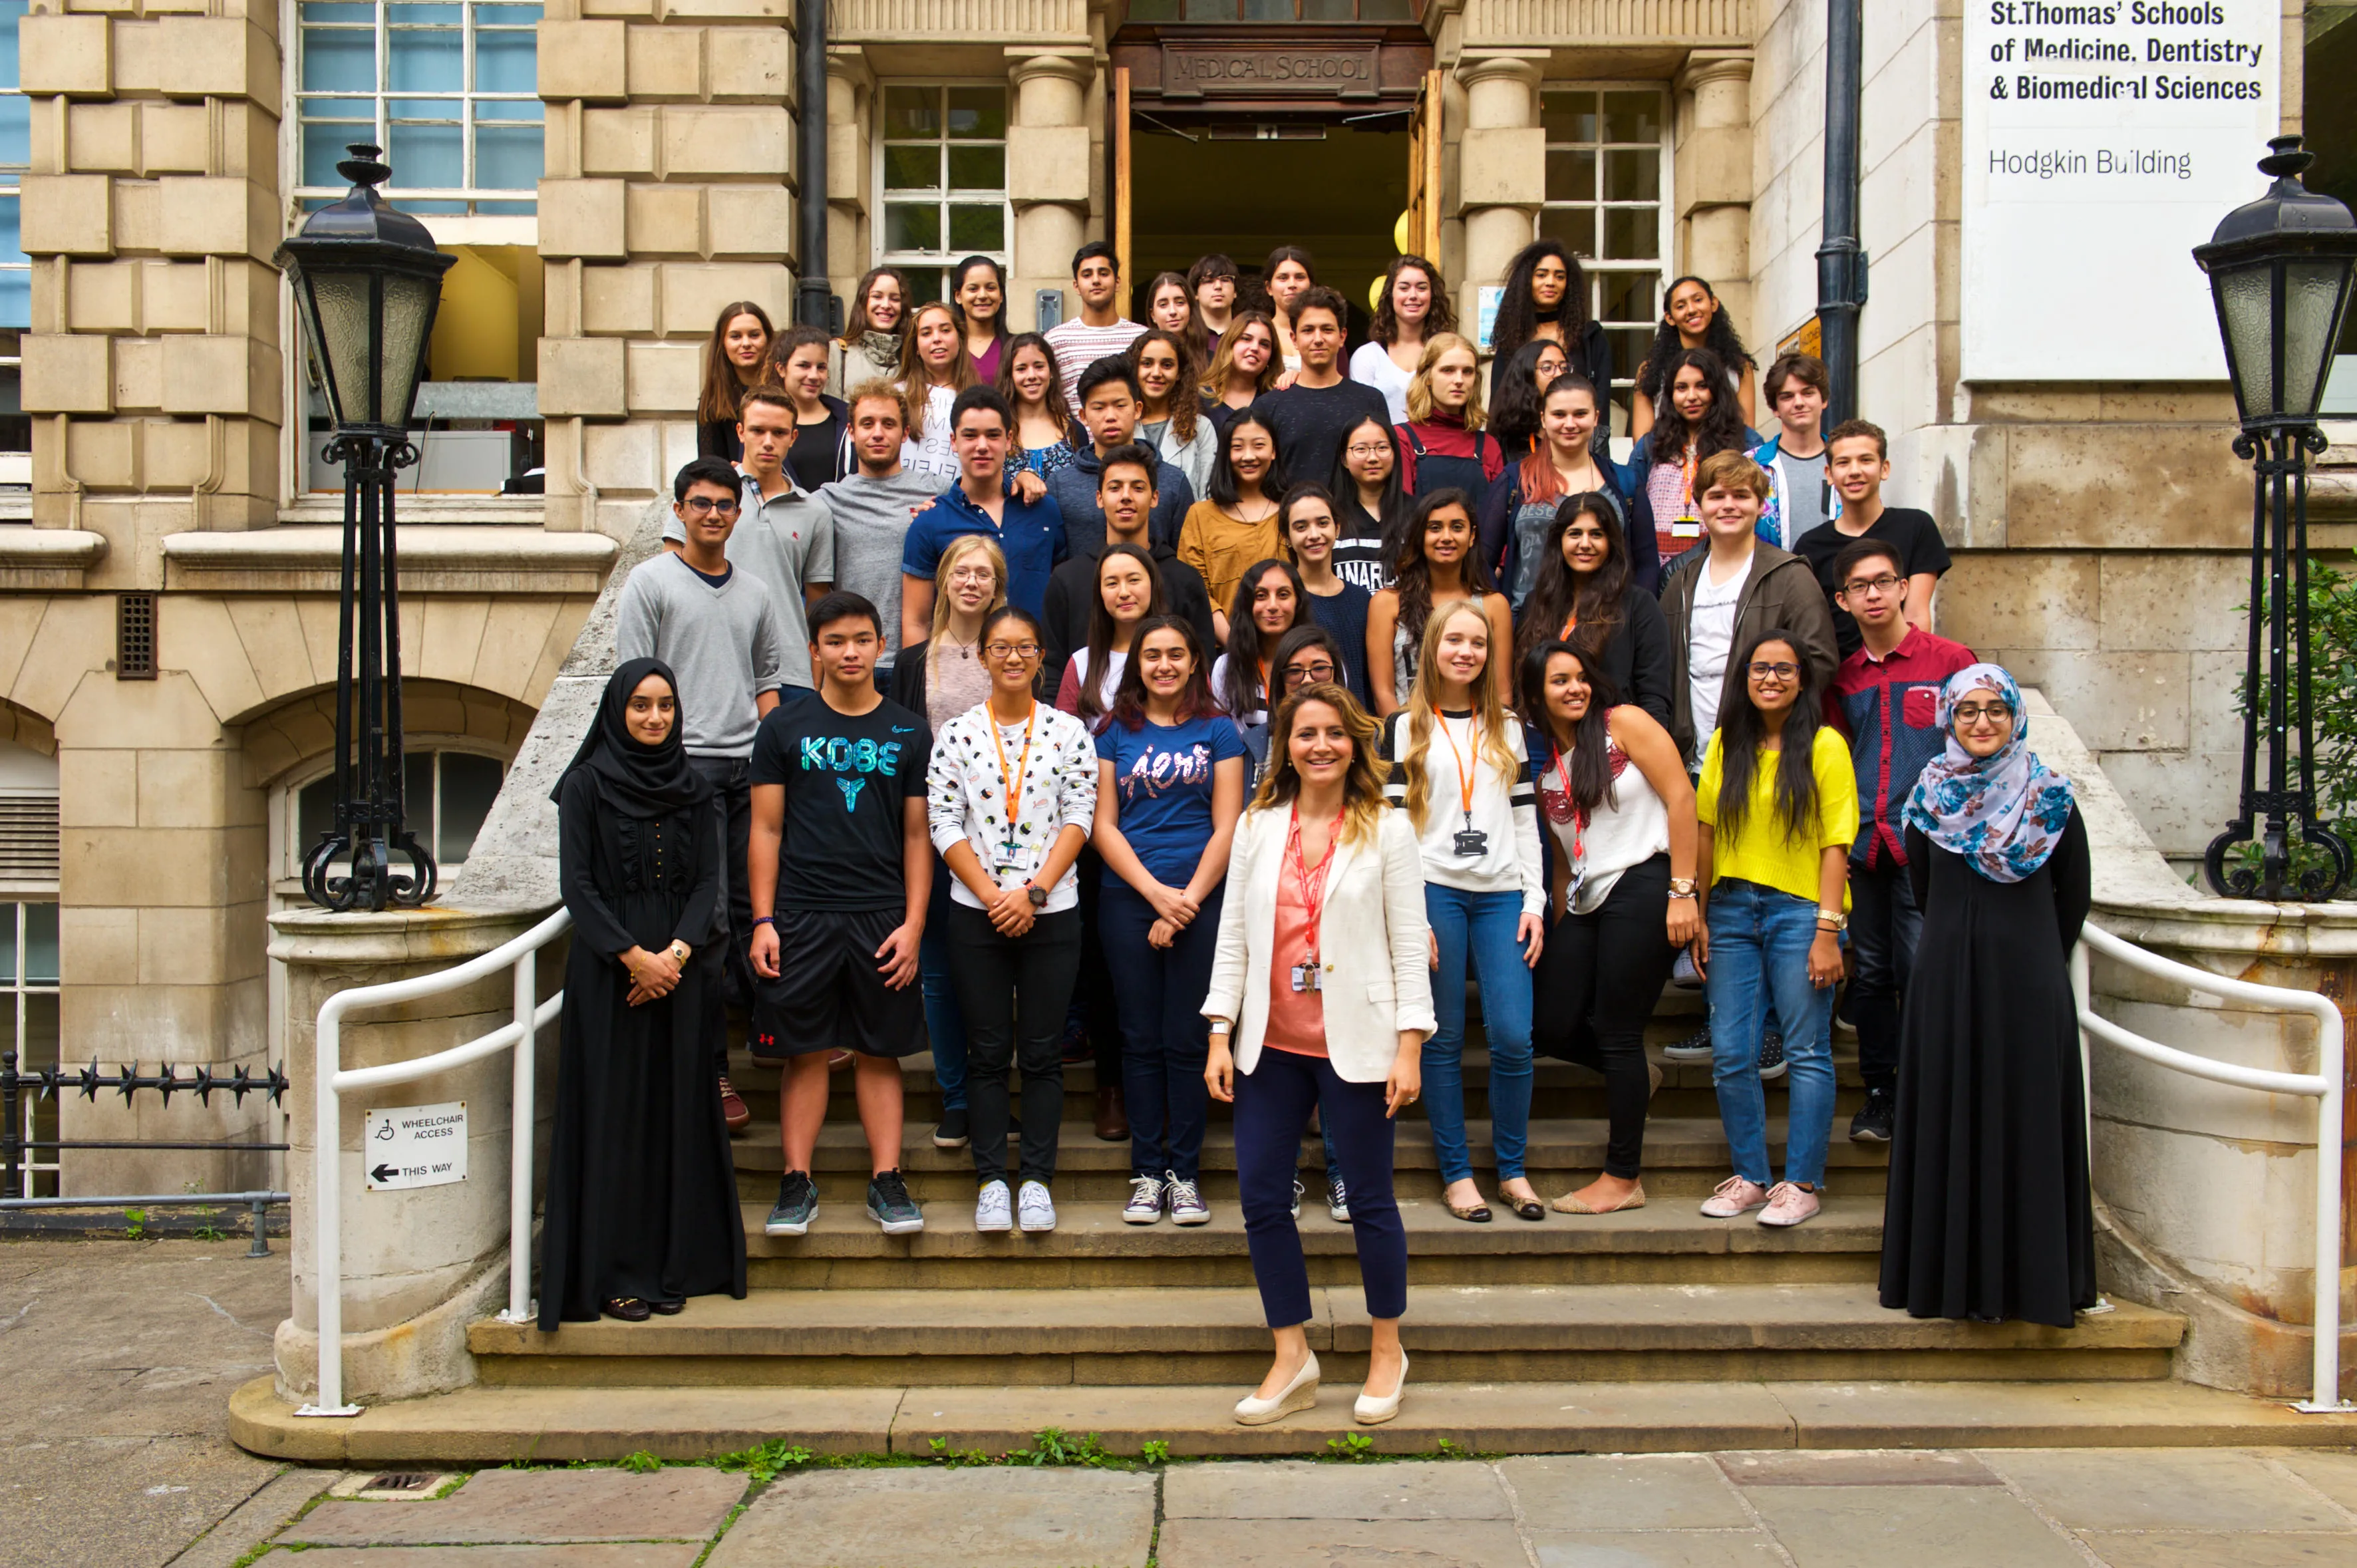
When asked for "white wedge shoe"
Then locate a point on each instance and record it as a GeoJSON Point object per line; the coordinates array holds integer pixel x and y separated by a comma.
{"type": "Point", "coordinates": [1301, 1393]}
{"type": "Point", "coordinates": [1369, 1412]}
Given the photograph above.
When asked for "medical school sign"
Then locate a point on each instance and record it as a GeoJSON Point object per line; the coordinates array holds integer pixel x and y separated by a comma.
{"type": "Point", "coordinates": [2100, 143]}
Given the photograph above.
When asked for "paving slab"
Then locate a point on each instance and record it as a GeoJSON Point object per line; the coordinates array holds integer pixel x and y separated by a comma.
{"type": "Point", "coordinates": [637, 1555]}
{"type": "Point", "coordinates": [1922, 1527]}
{"type": "Point", "coordinates": [1619, 1492]}
{"type": "Point", "coordinates": [2166, 1491]}
{"type": "Point", "coordinates": [2109, 1415]}
{"type": "Point", "coordinates": [119, 1501]}
{"type": "Point", "coordinates": [1304, 1490]}
{"type": "Point", "coordinates": [930, 1519]}
{"type": "Point", "coordinates": [1338, 1543]}
{"type": "Point", "coordinates": [257, 1519]}
{"type": "Point", "coordinates": [2196, 1549]}
{"type": "Point", "coordinates": [2334, 1475]}
{"type": "Point", "coordinates": [1657, 1549]}
{"type": "Point", "coordinates": [543, 1507]}
{"type": "Point", "coordinates": [1870, 1467]}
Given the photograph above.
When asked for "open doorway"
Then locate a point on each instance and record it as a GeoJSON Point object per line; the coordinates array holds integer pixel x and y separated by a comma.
{"type": "Point", "coordinates": [1339, 196]}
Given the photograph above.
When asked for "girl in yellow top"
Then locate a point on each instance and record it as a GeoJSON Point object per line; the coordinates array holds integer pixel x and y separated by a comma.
{"type": "Point", "coordinates": [1236, 524]}
{"type": "Point", "coordinates": [1778, 809]}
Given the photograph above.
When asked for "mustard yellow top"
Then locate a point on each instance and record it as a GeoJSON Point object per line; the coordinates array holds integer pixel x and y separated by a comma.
{"type": "Point", "coordinates": [1760, 853]}
{"type": "Point", "coordinates": [1222, 547]}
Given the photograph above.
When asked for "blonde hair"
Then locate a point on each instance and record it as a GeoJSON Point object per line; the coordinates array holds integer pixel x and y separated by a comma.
{"type": "Point", "coordinates": [1420, 404]}
{"type": "Point", "coordinates": [955, 551]}
{"type": "Point", "coordinates": [1363, 785]}
{"type": "Point", "coordinates": [1489, 713]}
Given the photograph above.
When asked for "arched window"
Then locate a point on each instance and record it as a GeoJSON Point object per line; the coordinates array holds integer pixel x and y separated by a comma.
{"type": "Point", "coordinates": [446, 794]}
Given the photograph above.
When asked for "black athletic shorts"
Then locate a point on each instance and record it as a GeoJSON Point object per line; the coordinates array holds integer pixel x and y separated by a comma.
{"type": "Point", "coordinates": [829, 994]}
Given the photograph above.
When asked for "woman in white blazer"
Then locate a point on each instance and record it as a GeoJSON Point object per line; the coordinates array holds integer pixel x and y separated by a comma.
{"type": "Point", "coordinates": [1321, 997]}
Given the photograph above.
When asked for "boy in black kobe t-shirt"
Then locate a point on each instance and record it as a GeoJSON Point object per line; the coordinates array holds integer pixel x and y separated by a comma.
{"type": "Point", "coordinates": [839, 798]}
{"type": "Point", "coordinates": [1858, 460]}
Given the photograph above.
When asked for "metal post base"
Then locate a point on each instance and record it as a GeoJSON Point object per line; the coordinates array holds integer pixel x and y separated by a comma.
{"type": "Point", "coordinates": [2309, 1407]}
{"type": "Point", "coordinates": [330, 1409]}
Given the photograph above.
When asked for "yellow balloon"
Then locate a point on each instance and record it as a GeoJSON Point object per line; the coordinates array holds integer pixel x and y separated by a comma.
{"type": "Point", "coordinates": [1399, 234]}
{"type": "Point", "coordinates": [1375, 294]}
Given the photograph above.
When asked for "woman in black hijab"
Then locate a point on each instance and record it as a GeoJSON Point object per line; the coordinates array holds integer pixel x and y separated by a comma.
{"type": "Point", "coordinates": [641, 1191]}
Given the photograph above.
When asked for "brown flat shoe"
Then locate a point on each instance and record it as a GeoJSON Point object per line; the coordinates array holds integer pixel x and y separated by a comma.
{"type": "Point", "coordinates": [1569, 1203]}
{"type": "Point", "coordinates": [667, 1308]}
{"type": "Point", "coordinates": [1112, 1115]}
{"type": "Point", "coordinates": [629, 1309]}
{"type": "Point", "coordinates": [732, 1109]}
{"type": "Point", "coordinates": [1479, 1214]}
{"type": "Point", "coordinates": [1523, 1209]}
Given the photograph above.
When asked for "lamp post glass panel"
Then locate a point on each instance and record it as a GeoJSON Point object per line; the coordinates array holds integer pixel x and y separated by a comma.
{"type": "Point", "coordinates": [367, 280]}
{"type": "Point", "coordinates": [2279, 274]}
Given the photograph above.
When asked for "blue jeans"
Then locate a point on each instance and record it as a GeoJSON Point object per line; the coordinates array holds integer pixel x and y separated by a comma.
{"type": "Point", "coordinates": [1759, 941]}
{"type": "Point", "coordinates": [1478, 928]}
{"type": "Point", "coordinates": [944, 1022]}
{"type": "Point", "coordinates": [1165, 1038]}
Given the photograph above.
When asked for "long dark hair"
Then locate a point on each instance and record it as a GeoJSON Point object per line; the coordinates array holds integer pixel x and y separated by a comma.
{"type": "Point", "coordinates": [1244, 637]}
{"type": "Point", "coordinates": [1057, 406]}
{"type": "Point", "coordinates": [1721, 339]}
{"type": "Point", "coordinates": [1558, 595]}
{"type": "Point", "coordinates": [957, 282]}
{"type": "Point", "coordinates": [1742, 731]}
{"type": "Point", "coordinates": [1591, 768]}
{"type": "Point", "coordinates": [1129, 691]}
{"type": "Point", "coordinates": [1305, 634]}
{"type": "Point", "coordinates": [1196, 337]}
{"type": "Point", "coordinates": [1392, 504]}
{"type": "Point", "coordinates": [1185, 408]}
{"type": "Point", "coordinates": [855, 323]}
{"type": "Point", "coordinates": [722, 391]}
{"type": "Point", "coordinates": [1440, 319]}
{"type": "Point", "coordinates": [1277, 258]}
{"type": "Point", "coordinates": [1101, 626]}
{"type": "Point", "coordinates": [1515, 401]}
{"type": "Point", "coordinates": [1411, 574]}
{"type": "Point", "coordinates": [1221, 485]}
{"type": "Point", "coordinates": [1721, 428]}
{"type": "Point", "coordinates": [1518, 315]}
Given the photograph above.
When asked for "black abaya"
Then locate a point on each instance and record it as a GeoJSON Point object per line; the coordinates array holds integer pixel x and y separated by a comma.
{"type": "Point", "coordinates": [1989, 1215]}
{"type": "Point", "coordinates": [641, 1187]}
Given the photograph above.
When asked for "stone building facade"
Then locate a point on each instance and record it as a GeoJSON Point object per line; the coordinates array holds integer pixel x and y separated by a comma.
{"type": "Point", "coordinates": [614, 171]}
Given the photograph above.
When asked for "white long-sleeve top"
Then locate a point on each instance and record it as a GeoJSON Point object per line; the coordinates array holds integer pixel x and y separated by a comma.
{"type": "Point", "coordinates": [1505, 808]}
{"type": "Point", "coordinates": [965, 790]}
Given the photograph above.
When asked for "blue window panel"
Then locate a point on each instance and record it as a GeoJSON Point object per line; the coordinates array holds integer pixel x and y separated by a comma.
{"type": "Point", "coordinates": [506, 62]}
{"type": "Point", "coordinates": [15, 283]}
{"type": "Point", "coordinates": [508, 158]}
{"type": "Point", "coordinates": [324, 141]}
{"type": "Point", "coordinates": [10, 12]}
{"type": "Point", "coordinates": [431, 61]}
{"type": "Point", "coordinates": [424, 13]}
{"type": "Point", "coordinates": [428, 158]}
{"type": "Point", "coordinates": [15, 130]}
{"type": "Point", "coordinates": [319, 11]}
{"type": "Point", "coordinates": [517, 110]}
{"type": "Point", "coordinates": [339, 59]}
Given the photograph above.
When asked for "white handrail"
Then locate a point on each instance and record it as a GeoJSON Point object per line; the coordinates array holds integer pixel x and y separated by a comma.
{"type": "Point", "coordinates": [518, 955]}
{"type": "Point", "coordinates": [2323, 1085]}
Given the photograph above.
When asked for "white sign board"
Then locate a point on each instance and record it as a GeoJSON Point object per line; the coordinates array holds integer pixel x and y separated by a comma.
{"type": "Point", "coordinates": [413, 1145]}
{"type": "Point", "coordinates": [2103, 142]}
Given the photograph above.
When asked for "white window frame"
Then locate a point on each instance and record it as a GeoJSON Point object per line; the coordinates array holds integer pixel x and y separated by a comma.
{"type": "Point", "coordinates": [16, 467]}
{"type": "Point", "coordinates": [1665, 263]}
{"type": "Point", "coordinates": [33, 1164]}
{"type": "Point", "coordinates": [909, 264]}
{"type": "Point", "coordinates": [286, 809]}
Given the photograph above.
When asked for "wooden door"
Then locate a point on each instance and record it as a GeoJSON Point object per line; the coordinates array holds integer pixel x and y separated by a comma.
{"type": "Point", "coordinates": [1120, 186]}
{"type": "Point", "coordinates": [1424, 171]}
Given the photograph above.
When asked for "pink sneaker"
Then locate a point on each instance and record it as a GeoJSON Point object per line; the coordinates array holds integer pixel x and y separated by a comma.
{"type": "Point", "coordinates": [1788, 1205]}
{"type": "Point", "coordinates": [1733, 1196]}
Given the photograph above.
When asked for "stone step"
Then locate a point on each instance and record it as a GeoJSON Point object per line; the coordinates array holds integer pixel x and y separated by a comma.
{"type": "Point", "coordinates": [1684, 1157]}
{"type": "Point", "coordinates": [1494, 1333]}
{"type": "Point", "coordinates": [495, 1426]}
{"type": "Point", "coordinates": [1662, 1243]}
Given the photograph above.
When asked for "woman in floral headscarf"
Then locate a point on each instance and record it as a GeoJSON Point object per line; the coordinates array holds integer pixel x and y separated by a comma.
{"type": "Point", "coordinates": [1989, 1216]}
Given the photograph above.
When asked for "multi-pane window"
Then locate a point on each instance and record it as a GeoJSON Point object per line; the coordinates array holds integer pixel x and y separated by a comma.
{"type": "Point", "coordinates": [28, 1025]}
{"type": "Point", "coordinates": [16, 268]}
{"type": "Point", "coordinates": [1272, 11]}
{"type": "Point", "coordinates": [448, 88]}
{"type": "Point", "coordinates": [446, 797]}
{"type": "Point", "coordinates": [943, 158]}
{"type": "Point", "coordinates": [1606, 154]}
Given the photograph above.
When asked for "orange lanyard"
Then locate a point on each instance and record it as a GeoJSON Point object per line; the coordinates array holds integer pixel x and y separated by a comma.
{"type": "Point", "coordinates": [1570, 624]}
{"type": "Point", "coordinates": [1562, 766]}
{"type": "Point", "coordinates": [1013, 785]}
{"type": "Point", "coordinates": [1464, 774]}
{"type": "Point", "coordinates": [1688, 468]}
{"type": "Point", "coordinates": [1311, 883]}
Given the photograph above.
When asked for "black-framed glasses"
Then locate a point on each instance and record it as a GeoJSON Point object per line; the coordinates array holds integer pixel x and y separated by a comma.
{"type": "Point", "coordinates": [1994, 712]}
{"type": "Point", "coordinates": [1012, 650]}
{"type": "Point", "coordinates": [702, 506]}
{"type": "Point", "coordinates": [1322, 670]}
{"type": "Point", "coordinates": [1881, 584]}
{"type": "Point", "coordinates": [1762, 669]}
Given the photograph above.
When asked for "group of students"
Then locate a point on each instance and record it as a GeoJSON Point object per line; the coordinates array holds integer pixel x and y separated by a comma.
{"type": "Point", "coordinates": [1297, 760]}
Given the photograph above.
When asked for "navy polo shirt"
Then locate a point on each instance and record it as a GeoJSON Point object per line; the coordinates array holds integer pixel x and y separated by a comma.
{"type": "Point", "coordinates": [1031, 536]}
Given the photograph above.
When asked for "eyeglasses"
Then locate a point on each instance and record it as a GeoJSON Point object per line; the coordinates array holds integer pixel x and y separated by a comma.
{"type": "Point", "coordinates": [1881, 584]}
{"type": "Point", "coordinates": [1994, 712]}
{"type": "Point", "coordinates": [703, 505]}
{"type": "Point", "coordinates": [1012, 650]}
{"type": "Point", "coordinates": [974, 575]}
{"type": "Point", "coordinates": [1369, 450]}
{"type": "Point", "coordinates": [1322, 670]}
{"type": "Point", "coordinates": [1763, 670]}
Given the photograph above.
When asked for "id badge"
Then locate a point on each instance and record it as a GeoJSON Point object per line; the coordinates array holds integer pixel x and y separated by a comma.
{"type": "Point", "coordinates": [1305, 977]}
{"type": "Point", "coordinates": [1686, 528]}
{"type": "Point", "coordinates": [1472, 842]}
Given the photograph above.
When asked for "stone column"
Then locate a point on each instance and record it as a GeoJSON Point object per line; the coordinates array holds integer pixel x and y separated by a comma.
{"type": "Point", "coordinates": [1502, 164]}
{"type": "Point", "coordinates": [1714, 175]}
{"type": "Point", "coordinates": [850, 96]}
{"type": "Point", "coordinates": [419, 1265]}
{"type": "Point", "coordinates": [1048, 167]}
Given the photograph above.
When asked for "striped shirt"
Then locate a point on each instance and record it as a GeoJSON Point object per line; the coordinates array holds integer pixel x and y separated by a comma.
{"type": "Point", "coordinates": [1077, 345]}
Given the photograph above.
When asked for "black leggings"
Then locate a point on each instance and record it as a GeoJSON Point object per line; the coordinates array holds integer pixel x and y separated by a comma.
{"type": "Point", "coordinates": [1599, 976]}
{"type": "Point", "coordinates": [1014, 990]}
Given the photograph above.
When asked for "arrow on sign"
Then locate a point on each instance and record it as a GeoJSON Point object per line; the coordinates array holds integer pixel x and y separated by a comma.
{"type": "Point", "coordinates": [382, 1174]}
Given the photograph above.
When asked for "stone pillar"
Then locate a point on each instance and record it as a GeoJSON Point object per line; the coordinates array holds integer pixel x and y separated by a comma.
{"type": "Point", "coordinates": [850, 97]}
{"type": "Point", "coordinates": [1714, 176]}
{"type": "Point", "coordinates": [418, 1265]}
{"type": "Point", "coordinates": [1502, 164]}
{"type": "Point", "coordinates": [150, 212]}
{"type": "Point", "coordinates": [1047, 166]}
{"type": "Point", "coordinates": [670, 192]}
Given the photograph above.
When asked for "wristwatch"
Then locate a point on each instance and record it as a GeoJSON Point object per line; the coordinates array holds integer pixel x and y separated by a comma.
{"type": "Point", "coordinates": [1038, 893]}
{"type": "Point", "coordinates": [1682, 888]}
{"type": "Point", "coordinates": [679, 951]}
{"type": "Point", "coordinates": [1840, 920]}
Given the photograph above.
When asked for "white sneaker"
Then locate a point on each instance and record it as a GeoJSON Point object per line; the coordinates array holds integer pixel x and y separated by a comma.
{"type": "Point", "coordinates": [1144, 1205]}
{"type": "Point", "coordinates": [1037, 1209]}
{"type": "Point", "coordinates": [1186, 1204]}
{"type": "Point", "coordinates": [991, 1211]}
{"type": "Point", "coordinates": [1297, 1190]}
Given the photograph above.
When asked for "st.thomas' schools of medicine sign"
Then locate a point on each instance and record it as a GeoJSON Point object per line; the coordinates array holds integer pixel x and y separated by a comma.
{"type": "Point", "coordinates": [2107, 140]}
{"type": "Point", "coordinates": [1207, 69]}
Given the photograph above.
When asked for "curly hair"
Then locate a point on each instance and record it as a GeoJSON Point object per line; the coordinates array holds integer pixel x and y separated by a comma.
{"type": "Point", "coordinates": [1184, 409]}
{"type": "Point", "coordinates": [1720, 429]}
{"type": "Point", "coordinates": [1720, 338]}
{"type": "Point", "coordinates": [1518, 314]}
{"type": "Point", "coordinates": [1441, 317]}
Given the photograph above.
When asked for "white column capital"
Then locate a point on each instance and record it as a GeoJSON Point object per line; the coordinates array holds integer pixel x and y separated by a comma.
{"type": "Point", "coordinates": [1026, 64]}
{"type": "Point", "coordinates": [1705, 68]}
{"type": "Point", "coordinates": [1520, 66]}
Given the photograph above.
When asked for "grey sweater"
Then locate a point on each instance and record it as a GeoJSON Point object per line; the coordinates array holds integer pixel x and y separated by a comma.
{"type": "Point", "coordinates": [721, 642]}
{"type": "Point", "coordinates": [871, 528]}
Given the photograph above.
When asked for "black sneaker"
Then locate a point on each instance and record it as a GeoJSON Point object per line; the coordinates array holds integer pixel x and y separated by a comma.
{"type": "Point", "coordinates": [889, 1205]}
{"type": "Point", "coordinates": [797, 1204]}
{"type": "Point", "coordinates": [1772, 1056]}
{"type": "Point", "coordinates": [1872, 1125]}
{"type": "Point", "coordinates": [951, 1133]}
{"type": "Point", "coordinates": [1694, 1048]}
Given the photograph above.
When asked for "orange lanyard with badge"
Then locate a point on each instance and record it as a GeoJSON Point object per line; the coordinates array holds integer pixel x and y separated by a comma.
{"type": "Point", "coordinates": [1012, 782]}
{"type": "Point", "coordinates": [1312, 884]}
{"type": "Point", "coordinates": [1688, 524]}
{"type": "Point", "coordinates": [1560, 765]}
{"type": "Point", "coordinates": [1471, 842]}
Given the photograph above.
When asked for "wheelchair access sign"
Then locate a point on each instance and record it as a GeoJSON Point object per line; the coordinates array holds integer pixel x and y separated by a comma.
{"type": "Point", "coordinates": [413, 1145]}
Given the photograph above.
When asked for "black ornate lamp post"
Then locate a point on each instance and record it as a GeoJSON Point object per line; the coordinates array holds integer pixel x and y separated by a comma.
{"type": "Point", "coordinates": [2279, 272]}
{"type": "Point", "coordinates": [367, 282]}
